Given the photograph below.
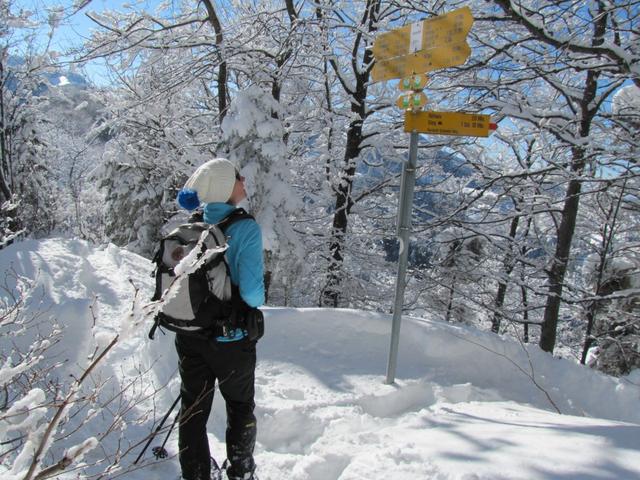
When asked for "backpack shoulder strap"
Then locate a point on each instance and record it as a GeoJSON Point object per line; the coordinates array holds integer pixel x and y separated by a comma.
{"type": "Point", "coordinates": [197, 216]}
{"type": "Point", "coordinates": [233, 217]}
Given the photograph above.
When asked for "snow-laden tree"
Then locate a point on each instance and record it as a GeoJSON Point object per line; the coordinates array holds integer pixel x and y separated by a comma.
{"type": "Point", "coordinates": [614, 339]}
{"type": "Point", "coordinates": [169, 70]}
{"type": "Point", "coordinates": [611, 275]}
{"type": "Point", "coordinates": [456, 262]}
{"type": "Point", "coordinates": [515, 237]}
{"type": "Point", "coordinates": [353, 74]}
{"type": "Point", "coordinates": [42, 134]}
{"type": "Point", "coordinates": [76, 134]}
{"type": "Point", "coordinates": [26, 183]}
{"type": "Point", "coordinates": [253, 136]}
{"type": "Point", "coordinates": [155, 145]}
{"type": "Point", "coordinates": [554, 67]}
{"type": "Point", "coordinates": [582, 75]}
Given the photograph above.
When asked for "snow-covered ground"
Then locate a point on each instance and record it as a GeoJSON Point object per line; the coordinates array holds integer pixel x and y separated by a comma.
{"type": "Point", "coordinates": [466, 405]}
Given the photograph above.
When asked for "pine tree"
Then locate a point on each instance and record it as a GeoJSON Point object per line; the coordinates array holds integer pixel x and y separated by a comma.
{"type": "Point", "coordinates": [253, 135]}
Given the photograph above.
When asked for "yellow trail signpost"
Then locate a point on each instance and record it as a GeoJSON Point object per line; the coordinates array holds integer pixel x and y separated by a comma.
{"type": "Point", "coordinates": [407, 53]}
{"type": "Point", "coordinates": [449, 123]}
{"type": "Point", "coordinates": [421, 47]}
{"type": "Point", "coordinates": [422, 61]}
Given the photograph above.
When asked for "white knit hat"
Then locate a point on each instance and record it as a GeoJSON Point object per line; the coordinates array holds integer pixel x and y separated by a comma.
{"type": "Point", "coordinates": [212, 182]}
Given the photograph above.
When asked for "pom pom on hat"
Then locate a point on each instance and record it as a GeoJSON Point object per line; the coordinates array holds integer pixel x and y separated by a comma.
{"type": "Point", "coordinates": [211, 182]}
{"type": "Point", "coordinates": [188, 199]}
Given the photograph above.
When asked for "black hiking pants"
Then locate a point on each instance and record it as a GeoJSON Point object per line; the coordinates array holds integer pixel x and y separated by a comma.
{"type": "Point", "coordinates": [202, 362]}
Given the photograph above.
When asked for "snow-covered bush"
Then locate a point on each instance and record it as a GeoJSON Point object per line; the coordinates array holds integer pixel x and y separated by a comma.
{"type": "Point", "coordinates": [617, 320]}
{"type": "Point", "coordinates": [9, 226]}
{"type": "Point", "coordinates": [54, 411]}
{"type": "Point", "coordinates": [457, 261]}
{"type": "Point", "coordinates": [253, 135]}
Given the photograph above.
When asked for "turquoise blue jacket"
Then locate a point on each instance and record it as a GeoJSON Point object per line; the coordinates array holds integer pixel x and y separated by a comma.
{"type": "Point", "coordinates": [244, 254]}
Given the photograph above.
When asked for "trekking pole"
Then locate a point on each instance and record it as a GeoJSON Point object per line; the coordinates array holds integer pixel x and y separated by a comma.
{"type": "Point", "coordinates": [161, 452]}
{"type": "Point", "coordinates": [158, 428]}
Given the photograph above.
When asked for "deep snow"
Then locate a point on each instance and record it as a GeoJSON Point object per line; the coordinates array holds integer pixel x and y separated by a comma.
{"type": "Point", "coordinates": [466, 405]}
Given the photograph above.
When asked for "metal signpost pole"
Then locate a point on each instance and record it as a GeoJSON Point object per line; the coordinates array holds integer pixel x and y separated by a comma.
{"type": "Point", "coordinates": [407, 185]}
{"type": "Point", "coordinates": [409, 52]}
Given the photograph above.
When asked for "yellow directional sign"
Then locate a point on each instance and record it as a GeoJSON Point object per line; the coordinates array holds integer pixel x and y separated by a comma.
{"type": "Point", "coordinates": [443, 30]}
{"type": "Point", "coordinates": [423, 61]}
{"type": "Point", "coordinates": [439, 31]}
{"type": "Point", "coordinates": [449, 123]}
{"type": "Point", "coordinates": [392, 44]}
{"type": "Point", "coordinates": [438, 42]}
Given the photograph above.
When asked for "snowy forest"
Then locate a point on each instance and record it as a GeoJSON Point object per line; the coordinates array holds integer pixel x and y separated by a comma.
{"type": "Point", "coordinates": [535, 230]}
{"type": "Point", "coordinates": [532, 233]}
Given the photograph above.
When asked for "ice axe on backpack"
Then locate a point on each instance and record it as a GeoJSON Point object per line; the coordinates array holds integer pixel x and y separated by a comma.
{"type": "Point", "coordinates": [160, 452]}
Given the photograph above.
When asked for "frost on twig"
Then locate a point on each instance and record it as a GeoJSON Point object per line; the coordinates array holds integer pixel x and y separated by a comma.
{"type": "Point", "coordinates": [48, 406]}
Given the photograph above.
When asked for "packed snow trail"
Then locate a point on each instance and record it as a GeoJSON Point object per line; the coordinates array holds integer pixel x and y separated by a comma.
{"type": "Point", "coordinates": [465, 405]}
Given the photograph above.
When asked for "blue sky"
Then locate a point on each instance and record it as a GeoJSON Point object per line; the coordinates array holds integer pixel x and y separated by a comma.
{"type": "Point", "coordinates": [77, 27]}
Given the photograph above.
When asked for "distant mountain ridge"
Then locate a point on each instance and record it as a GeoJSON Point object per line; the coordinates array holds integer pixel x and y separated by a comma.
{"type": "Point", "coordinates": [56, 77]}
{"type": "Point", "coordinates": [62, 78]}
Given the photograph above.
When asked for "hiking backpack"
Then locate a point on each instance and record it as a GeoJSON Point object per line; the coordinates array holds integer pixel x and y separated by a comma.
{"type": "Point", "coordinates": [194, 294]}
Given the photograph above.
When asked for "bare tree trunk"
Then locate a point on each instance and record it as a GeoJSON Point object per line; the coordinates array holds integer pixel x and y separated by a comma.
{"type": "Point", "coordinates": [560, 260]}
{"type": "Point", "coordinates": [4, 151]}
{"type": "Point", "coordinates": [447, 317]}
{"type": "Point", "coordinates": [556, 273]}
{"type": "Point", "coordinates": [330, 295]}
{"type": "Point", "coordinates": [502, 285]}
{"type": "Point", "coordinates": [268, 275]}
{"type": "Point", "coordinates": [222, 68]}
{"type": "Point", "coordinates": [607, 240]}
{"type": "Point", "coordinates": [341, 216]}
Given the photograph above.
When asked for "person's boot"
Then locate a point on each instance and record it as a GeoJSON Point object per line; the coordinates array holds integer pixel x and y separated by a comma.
{"type": "Point", "coordinates": [235, 475]}
{"type": "Point", "coordinates": [196, 474]}
{"type": "Point", "coordinates": [249, 475]}
{"type": "Point", "coordinates": [216, 471]}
